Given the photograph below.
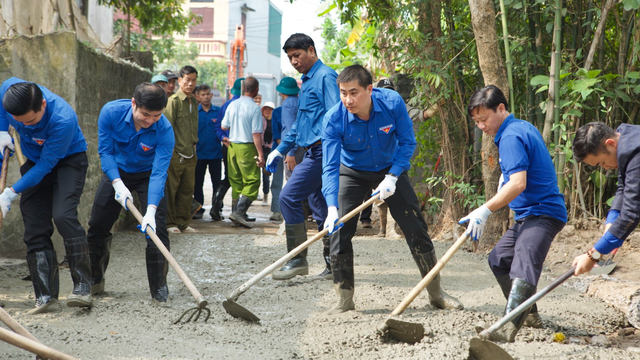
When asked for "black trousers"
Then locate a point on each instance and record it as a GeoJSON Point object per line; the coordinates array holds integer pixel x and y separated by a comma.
{"type": "Point", "coordinates": [215, 171]}
{"type": "Point", "coordinates": [106, 209]}
{"type": "Point", "coordinates": [266, 176]}
{"type": "Point", "coordinates": [521, 251]}
{"type": "Point", "coordinates": [403, 204]}
{"type": "Point", "coordinates": [55, 197]}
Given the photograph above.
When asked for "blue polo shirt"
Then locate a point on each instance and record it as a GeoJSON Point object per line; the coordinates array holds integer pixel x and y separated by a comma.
{"type": "Point", "coordinates": [276, 123]}
{"type": "Point", "coordinates": [55, 137]}
{"type": "Point", "coordinates": [209, 146]}
{"type": "Point", "coordinates": [521, 148]}
{"type": "Point", "coordinates": [385, 140]}
{"type": "Point", "coordinates": [318, 94]}
{"type": "Point", "coordinates": [121, 147]}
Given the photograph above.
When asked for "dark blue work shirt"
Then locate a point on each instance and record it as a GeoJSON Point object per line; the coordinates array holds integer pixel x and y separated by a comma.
{"type": "Point", "coordinates": [276, 124]}
{"type": "Point", "coordinates": [385, 140]}
{"type": "Point", "coordinates": [209, 146]}
{"type": "Point", "coordinates": [122, 147]}
{"type": "Point", "coordinates": [56, 136]}
{"type": "Point", "coordinates": [318, 94]}
{"type": "Point", "coordinates": [289, 114]}
{"type": "Point", "coordinates": [521, 148]}
{"type": "Point", "coordinates": [223, 110]}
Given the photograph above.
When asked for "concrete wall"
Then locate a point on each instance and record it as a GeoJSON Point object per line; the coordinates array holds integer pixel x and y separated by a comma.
{"type": "Point", "coordinates": [87, 80]}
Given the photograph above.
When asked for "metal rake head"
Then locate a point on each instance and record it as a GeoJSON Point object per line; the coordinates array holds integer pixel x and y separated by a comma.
{"type": "Point", "coordinates": [194, 314]}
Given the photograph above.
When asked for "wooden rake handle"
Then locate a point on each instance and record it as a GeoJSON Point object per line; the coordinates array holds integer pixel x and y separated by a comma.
{"type": "Point", "coordinates": [3, 175]}
{"type": "Point", "coordinates": [14, 325]}
{"type": "Point", "coordinates": [430, 276]}
{"type": "Point", "coordinates": [174, 264]}
{"type": "Point", "coordinates": [33, 346]}
{"type": "Point", "coordinates": [242, 289]}
{"type": "Point", "coordinates": [16, 144]}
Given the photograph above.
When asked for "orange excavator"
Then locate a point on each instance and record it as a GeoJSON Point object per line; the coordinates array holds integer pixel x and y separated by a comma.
{"type": "Point", "coordinates": [237, 62]}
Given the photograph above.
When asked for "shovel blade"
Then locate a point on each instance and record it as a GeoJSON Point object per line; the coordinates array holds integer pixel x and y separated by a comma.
{"type": "Point", "coordinates": [486, 350]}
{"type": "Point", "coordinates": [239, 312]}
{"type": "Point", "coordinates": [404, 331]}
{"type": "Point", "coordinates": [603, 270]}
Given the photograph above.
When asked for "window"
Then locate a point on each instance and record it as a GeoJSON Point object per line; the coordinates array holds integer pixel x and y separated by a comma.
{"type": "Point", "coordinates": [205, 28]}
{"type": "Point", "coordinates": [275, 30]}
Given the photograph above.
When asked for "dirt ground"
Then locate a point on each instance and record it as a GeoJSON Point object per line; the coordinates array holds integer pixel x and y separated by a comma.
{"type": "Point", "coordinates": [123, 325]}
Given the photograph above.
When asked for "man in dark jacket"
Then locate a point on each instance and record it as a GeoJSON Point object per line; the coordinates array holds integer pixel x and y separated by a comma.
{"type": "Point", "coordinates": [598, 144]}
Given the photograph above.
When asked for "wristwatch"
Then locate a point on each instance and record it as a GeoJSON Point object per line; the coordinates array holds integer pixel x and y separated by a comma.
{"type": "Point", "coordinates": [594, 255]}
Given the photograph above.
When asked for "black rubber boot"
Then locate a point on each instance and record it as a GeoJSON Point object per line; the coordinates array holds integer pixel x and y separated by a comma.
{"type": "Point", "coordinates": [195, 209]}
{"type": "Point", "coordinates": [43, 267]}
{"type": "Point", "coordinates": [326, 247]}
{"type": "Point", "coordinates": [157, 269]}
{"type": "Point", "coordinates": [296, 235]}
{"type": "Point", "coordinates": [239, 215]}
{"type": "Point", "coordinates": [533, 320]}
{"type": "Point", "coordinates": [520, 291]}
{"type": "Point", "coordinates": [80, 268]}
{"type": "Point", "coordinates": [216, 203]}
{"type": "Point", "coordinates": [99, 252]}
{"type": "Point", "coordinates": [343, 283]}
{"type": "Point", "coordinates": [437, 297]}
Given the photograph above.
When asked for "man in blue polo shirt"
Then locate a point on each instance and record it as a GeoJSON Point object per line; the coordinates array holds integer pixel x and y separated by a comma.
{"type": "Point", "coordinates": [52, 181]}
{"type": "Point", "coordinates": [367, 142]}
{"type": "Point", "coordinates": [135, 143]}
{"type": "Point", "coordinates": [531, 191]}
{"type": "Point", "coordinates": [318, 94]}
{"type": "Point", "coordinates": [209, 147]}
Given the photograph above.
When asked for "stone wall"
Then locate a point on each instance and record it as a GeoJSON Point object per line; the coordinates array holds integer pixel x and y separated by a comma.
{"type": "Point", "coordinates": [87, 80]}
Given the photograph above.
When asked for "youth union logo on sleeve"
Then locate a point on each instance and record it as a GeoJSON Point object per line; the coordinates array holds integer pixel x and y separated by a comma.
{"type": "Point", "coordinates": [145, 147]}
{"type": "Point", "coordinates": [39, 141]}
{"type": "Point", "coordinates": [386, 129]}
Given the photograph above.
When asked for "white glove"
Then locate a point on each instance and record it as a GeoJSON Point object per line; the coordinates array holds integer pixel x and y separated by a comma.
{"type": "Point", "coordinates": [6, 140]}
{"type": "Point", "coordinates": [149, 219]}
{"type": "Point", "coordinates": [387, 187]}
{"type": "Point", "coordinates": [6, 198]}
{"type": "Point", "coordinates": [500, 182]}
{"type": "Point", "coordinates": [332, 219]}
{"type": "Point", "coordinates": [477, 220]}
{"type": "Point", "coordinates": [122, 193]}
{"type": "Point", "coordinates": [271, 164]}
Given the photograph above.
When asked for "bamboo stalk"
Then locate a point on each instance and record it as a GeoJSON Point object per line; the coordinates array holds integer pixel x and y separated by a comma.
{"type": "Point", "coordinates": [507, 53]}
{"type": "Point", "coordinates": [557, 40]}
{"type": "Point", "coordinates": [598, 35]}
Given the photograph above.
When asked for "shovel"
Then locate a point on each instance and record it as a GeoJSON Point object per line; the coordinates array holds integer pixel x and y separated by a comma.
{"type": "Point", "coordinates": [413, 332]}
{"type": "Point", "coordinates": [202, 303]}
{"type": "Point", "coordinates": [605, 267]}
{"type": "Point", "coordinates": [482, 349]}
{"type": "Point", "coordinates": [238, 311]}
{"type": "Point", "coordinates": [23, 339]}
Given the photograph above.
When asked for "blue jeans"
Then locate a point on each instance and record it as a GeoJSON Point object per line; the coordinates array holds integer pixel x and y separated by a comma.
{"type": "Point", "coordinates": [305, 182]}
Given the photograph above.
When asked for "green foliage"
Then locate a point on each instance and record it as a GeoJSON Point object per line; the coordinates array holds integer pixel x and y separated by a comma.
{"type": "Point", "coordinates": [210, 72]}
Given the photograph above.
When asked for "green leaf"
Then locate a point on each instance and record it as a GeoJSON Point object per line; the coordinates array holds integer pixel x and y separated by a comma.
{"type": "Point", "coordinates": [633, 75]}
{"type": "Point", "coordinates": [631, 4]}
{"type": "Point", "coordinates": [636, 89]}
{"type": "Point", "coordinates": [542, 88]}
{"type": "Point", "coordinates": [540, 80]}
{"type": "Point", "coordinates": [574, 112]}
{"type": "Point", "coordinates": [593, 73]}
{"type": "Point", "coordinates": [623, 96]}
{"type": "Point", "coordinates": [325, 8]}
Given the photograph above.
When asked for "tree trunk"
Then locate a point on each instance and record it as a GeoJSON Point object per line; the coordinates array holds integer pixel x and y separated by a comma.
{"type": "Point", "coordinates": [596, 38]}
{"type": "Point", "coordinates": [492, 66]}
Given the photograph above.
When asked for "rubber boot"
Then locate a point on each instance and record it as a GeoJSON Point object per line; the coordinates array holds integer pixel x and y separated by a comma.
{"type": "Point", "coordinates": [239, 214]}
{"type": "Point", "coordinates": [195, 209]}
{"type": "Point", "coordinates": [343, 283]}
{"type": "Point", "coordinates": [296, 235]}
{"type": "Point", "coordinates": [99, 252]}
{"type": "Point", "coordinates": [326, 248]}
{"type": "Point", "coordinates": [533, 320]}
{"type": "Point", "coordinates": [216, 203]}
{"type": "Point", "coordinates": [437, 297]}
{"type": "Point", "coordinates": [80, 268]}
{"type": "Point", "coordinates": [157, 269]}
{"type": "Point", "coordinates": [43, 267]}
{"type": "Point", "coordinates": [382, 212]}
{"type": "Point", "coordinates": [520, 291]}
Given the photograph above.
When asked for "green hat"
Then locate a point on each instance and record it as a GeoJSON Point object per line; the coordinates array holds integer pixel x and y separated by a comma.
{"type": "Point", "coordinates": [237, 87]}
{"type": "Point", "coordinates": [157, 78]}
{"type": "Point", "coordinates": [288, 86]}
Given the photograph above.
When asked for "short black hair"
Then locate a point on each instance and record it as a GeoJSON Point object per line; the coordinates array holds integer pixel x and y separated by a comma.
{"type": "Point", "coordinates": [355, 73]}
{"type": "Point", "coordinates": [589, 140]}
{"type": "Point", "coordinates": [150, 96]}
{"type": "Point", "coordinates": [251, 84]}
{"type": "Point", "coordinates": [186, 70]}
{"type": "Point", "coordinates": [489, 97]}
{"type": "Point", "coordinates": [202, 87]}
{"type": "Point", "coordinates": [21, 98]}
{"type": "Point", "coordinates": [299, 41]}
